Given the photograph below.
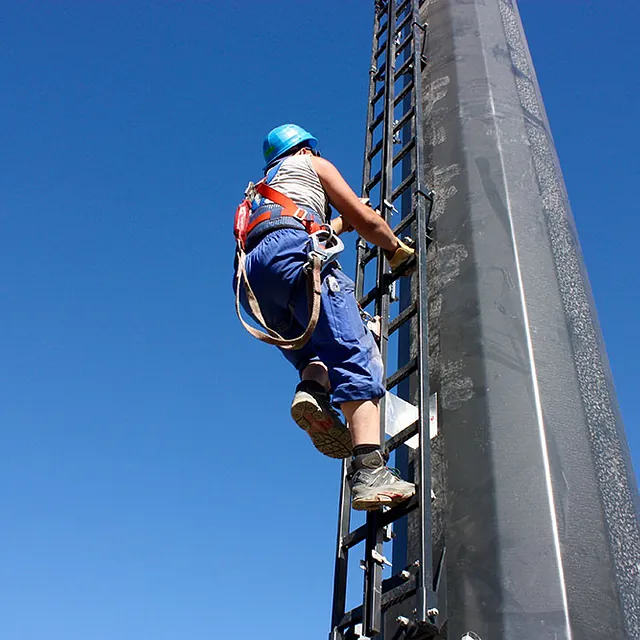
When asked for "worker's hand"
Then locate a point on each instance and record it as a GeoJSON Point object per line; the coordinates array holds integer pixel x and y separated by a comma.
{"type": "Point", "coordinates": [340, 225]}
{"type": "Point", "coordinates": [367, 202]}
{"type": "Point", "coordinates": [400, 256]}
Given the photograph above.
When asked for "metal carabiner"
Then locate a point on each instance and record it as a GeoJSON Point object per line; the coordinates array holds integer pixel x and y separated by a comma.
{"type": "Point", "coordinates": [326, 245]}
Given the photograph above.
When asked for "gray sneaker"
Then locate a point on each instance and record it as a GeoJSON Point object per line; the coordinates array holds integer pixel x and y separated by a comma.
{"type": "Point", "coordinates": [312, 411]}
{"type": "Point", "coordinates": [374, 485]}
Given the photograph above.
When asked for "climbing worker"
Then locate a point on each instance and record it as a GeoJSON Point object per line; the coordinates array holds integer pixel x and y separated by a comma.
{"type": "Point", "coordinates": [287, 279]}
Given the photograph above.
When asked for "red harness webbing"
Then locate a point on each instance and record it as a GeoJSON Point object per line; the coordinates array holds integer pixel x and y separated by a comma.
{"type": "Point", "coordinates": [313, 275]}
{"type": "Point", "coordinates": [289, 208]}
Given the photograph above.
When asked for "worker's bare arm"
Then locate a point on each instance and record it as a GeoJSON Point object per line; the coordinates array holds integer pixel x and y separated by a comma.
{"type": "Point", "coordinates": [362, 217]}
{"type": "Point", "coordinates": [340, 225]}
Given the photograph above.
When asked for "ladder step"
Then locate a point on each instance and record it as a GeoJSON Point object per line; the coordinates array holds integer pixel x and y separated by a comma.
{"type": "Point", "coordinates": [369, 255]}
{"type": "Point", "coordinates": [374, 181]}
{"type": "Point", "coordinates": [403, 23]}
{"type": "Point", "coordinates": [387, 280]}
{"type": "Point", "coordinates": [375, 151]}
{"type": "Point", "coordinates": [403, 45]}
{"type": "Point", "coordinates": [350, 618]}
{"type": "Point", "coordinates": [379, 74]}
{"type": "Point", "coordinates": [400, 438]}
{"type": "Point", "coordinates": [404, 69]}
{"type": "Point", "coordinates": [394, 589]}
{"type": "Point", "coordinates": [401, 188]}
{"type": "Point", "coordinates": [381, 49]}
{"type": "Point", "coordinates": [403, 94]}
{"type": "Point", "coordinates": [381, 30]}
{"type": "Point", "coordinates": [403, 152]}
{"type": "Point", "coordinates": [402, 374]}
{"type": "Point", "coordinates": [407, 221]}
{"type": "Point", "coordinates": [403, 6]}
{"type": "Point", "coordinates": [402, 317]}
{"type": "Point", "coordinates": [387, 517]}
{"type": "Point", "coordinates": [377, 95]}
{"type": "Point", "coordinates": [405, 118]}
{"type": "Point", "coordinates": [376, 122]}
{"type": "Point", "coordinates": [368, 298]}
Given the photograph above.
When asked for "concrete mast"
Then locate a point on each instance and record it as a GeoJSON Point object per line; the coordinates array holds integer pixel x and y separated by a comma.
{"type": "Point", "coordinates": [537, 501]}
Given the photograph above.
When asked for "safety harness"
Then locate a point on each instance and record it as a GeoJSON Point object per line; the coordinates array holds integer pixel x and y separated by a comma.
{"type": "Point", "coordinates": [325, 246]}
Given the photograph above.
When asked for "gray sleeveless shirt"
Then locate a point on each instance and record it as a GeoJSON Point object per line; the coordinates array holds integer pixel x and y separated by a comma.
{"type": "Point", "coordinates": [298, 180]}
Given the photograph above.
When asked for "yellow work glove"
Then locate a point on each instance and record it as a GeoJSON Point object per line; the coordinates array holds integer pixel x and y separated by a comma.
{"type": "Point", "coordinates": [400, 256]}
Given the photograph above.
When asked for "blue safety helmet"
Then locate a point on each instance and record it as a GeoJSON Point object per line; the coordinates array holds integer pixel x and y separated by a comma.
{"type": "Point", "coordinates": [284, 138]}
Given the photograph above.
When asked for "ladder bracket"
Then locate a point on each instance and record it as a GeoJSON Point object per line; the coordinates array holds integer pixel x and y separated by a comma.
{"type": "Point", "coordinates": [379, 558]}
{"type": "Point", "coordinates": [417, 630]}
{"type": "Point", "coordinates": [423, 52]}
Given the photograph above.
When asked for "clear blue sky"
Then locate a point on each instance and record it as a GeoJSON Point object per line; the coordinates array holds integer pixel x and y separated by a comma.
{"type": "Point", "coordinates": [152, 484]}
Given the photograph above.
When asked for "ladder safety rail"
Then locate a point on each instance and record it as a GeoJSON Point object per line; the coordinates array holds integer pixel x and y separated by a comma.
{"type": "Point", "coordinates": [394, 144]}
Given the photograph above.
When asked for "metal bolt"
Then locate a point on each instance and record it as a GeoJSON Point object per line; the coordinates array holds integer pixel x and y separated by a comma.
{"type": "Point", "coordinates": [470, 635]}
{"type": "Point", "coordinates": [402, 621]}
{"type": "Point", "coordinates": [432, 613]}
{"type": "Point", "coordinates": [405, 575]}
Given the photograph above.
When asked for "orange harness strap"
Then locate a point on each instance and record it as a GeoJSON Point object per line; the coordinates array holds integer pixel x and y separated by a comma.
{"type": "Point", "coordinates": [289, 208]}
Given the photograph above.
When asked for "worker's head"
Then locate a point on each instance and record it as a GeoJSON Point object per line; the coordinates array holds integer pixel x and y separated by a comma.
{"type": "Point", "coordinates": [284, 140]}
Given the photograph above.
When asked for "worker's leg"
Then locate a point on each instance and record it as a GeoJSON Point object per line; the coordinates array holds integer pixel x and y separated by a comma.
{"type": "Point", "coordinates": [363, 417]}
{"type": "Point", "coordinates": [311, 409]}
{"type": "Point", "coordinates": [351, 355]}
{"type": "Point", "coordinates": [318, 372]}
{"type": "Point", "coordinates": [274, 270]}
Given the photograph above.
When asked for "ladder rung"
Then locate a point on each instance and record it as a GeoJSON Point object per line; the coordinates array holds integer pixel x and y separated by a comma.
{"type": "Point", "coordinates": [394, 589]}
{"type": "Point", "coordinates": [368, 298]}
{"type": "Point", "coordinates": [375, 151]}
{"type": "Point", "coordinates": [403, 93]}
{"type": "Point", "coordinates": [401, 188]}
{"type": "Point", "coordinates": [400, 438]}
{"type": "Point", "coordinates": [406, 66]}
{"type": "Point", "coordinates": [381, 49]}
{"type": "Point", "coordinates": [403, 45]}
{"type": "Point", "coordinates": [403, 152]}
{"type": "Point", "coordinates": [403, 23]}
{"type": "Point", "coordinates": [402, 373]}
{"type": "Point", "coordinates": [387, 517]}
{"type": "Point", "coordinates": [401, 318]}
{"type": "Point", "coordinates": [387, 280]}
{"type": "Point", "coordinates": [405, 118]}
{"type": "Point", "coordinates": [369, 255]}
{"type": "Point", "coordinates": [350, 618]}
{"type": "Point", "coordinates": [377, 121]}
{"type": "Point", "coordinates": [381, 30]}
{"type": "Point", "coordinates": [404, 223]}
{"type": "Point", "coordinates": [379, 74]}
{"type": "Point", "coordinates": [378, 95]}
{"type": "Point", "coordinates": [402, 7]}
{"type": "Point", "coordinates": [374, 181]}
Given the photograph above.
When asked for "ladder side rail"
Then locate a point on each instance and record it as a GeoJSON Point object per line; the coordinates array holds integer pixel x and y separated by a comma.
{"type": "Point", "coordinates": [374, 543]}
{"type": "Point", "coordinates": [427, 602]}
{"type": "Point", "coordinates": [344, 511]}
{"type": "Point", "coordinates": [402, 198]}
{"type": "Point", "coordinates": [342, 558]}
{"type": "Point", "coordinates": [361, 244]}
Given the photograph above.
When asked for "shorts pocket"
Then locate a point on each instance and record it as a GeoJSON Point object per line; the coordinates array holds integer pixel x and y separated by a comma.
{"type": "Point", "coordinates": [342, 312]}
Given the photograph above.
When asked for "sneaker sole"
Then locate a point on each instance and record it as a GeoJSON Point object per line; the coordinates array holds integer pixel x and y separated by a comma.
{"type": "Point", "coordinates": [334, 442]}
{"type": "Point", "coordinates": [378, 500]}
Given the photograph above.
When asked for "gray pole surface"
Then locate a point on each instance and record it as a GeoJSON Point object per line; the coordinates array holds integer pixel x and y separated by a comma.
{"type": "Point", "coordinates": [537, 495]}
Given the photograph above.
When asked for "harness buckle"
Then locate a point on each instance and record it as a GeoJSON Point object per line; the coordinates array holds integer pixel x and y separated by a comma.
{"type": "Point", "coordinates": [326, 245]}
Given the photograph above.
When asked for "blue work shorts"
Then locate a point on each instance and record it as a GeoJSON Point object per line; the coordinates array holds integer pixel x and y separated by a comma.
{"type": "Point", "coordinates": [341, 340]}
